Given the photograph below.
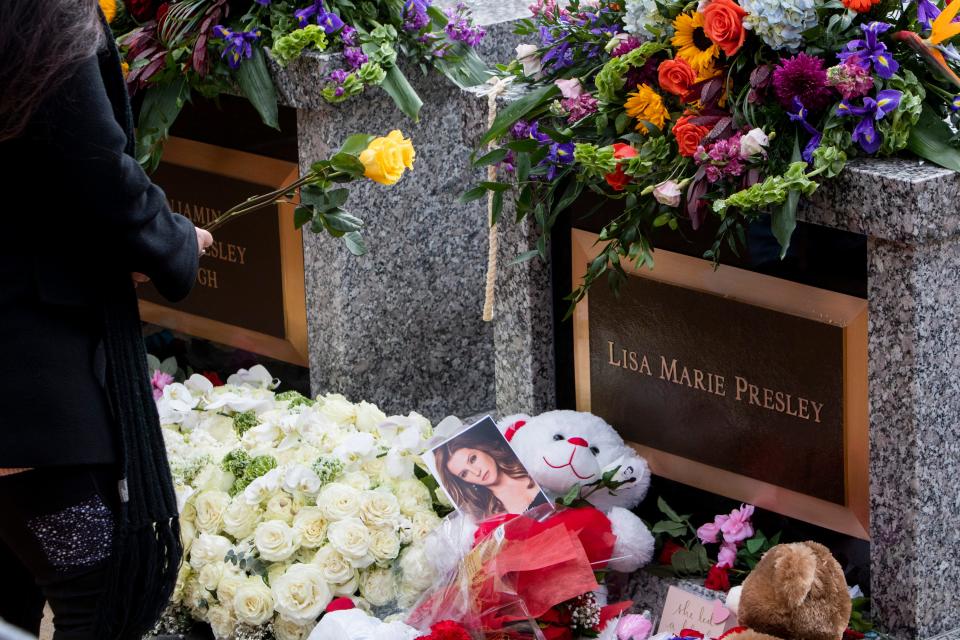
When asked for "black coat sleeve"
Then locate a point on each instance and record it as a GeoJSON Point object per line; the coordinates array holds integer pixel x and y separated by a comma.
{"type": "Point", "coordinates": [128, 214]}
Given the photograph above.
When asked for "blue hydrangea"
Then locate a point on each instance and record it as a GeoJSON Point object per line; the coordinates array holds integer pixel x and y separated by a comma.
{"type": "Point", "coordinates": [780, 23]}
{"type": "Point", "coordinates": [641, 14]}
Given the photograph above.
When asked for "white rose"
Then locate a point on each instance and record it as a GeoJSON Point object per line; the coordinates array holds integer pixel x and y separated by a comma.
{"type": "Point", "coordinates": [375, 469]}
{"type": "Point", "coordinates": [380, 509]}
{"type": "Point", "coordinates": [417, 572]}
{"type": "Point", "coordinates": [253, 602]}
{"type": "Point", "coordinates": [301, 593]}
{"type": "Point", "coordinates": [369, 417]}
{"type": "Point", "coordinates": [412, 495]}
{"type": "Point", "coordinates": [208, 548]}
{"type": "Point", "coordinates": [753, 143]}
{"type": "Point", "coordinates": [188, 533]}
{"type": "Point", "coordinates": [347, 588]}
{"type": "Point", "coordinates": [195, 597]}
{"type": "Point", "coordinates": [357, 479]}
{"type": "Point", "coordinates": [210, 575]}
{"type": "Point", "coordinates": [280, 507]}
{"type": "Point", "coordinates": [423, 524]}
{"type": "Point", "coordinates": [352, 539]}
{"type": "Point", "coordinates": [210, 506]}
{"type": "Point", "coordinates": [384, 544]}
{"type": "Point", "coordinates": [301, 479]}
{"type": "Point", "coordinates": [339, 501]}
{"type": "Point", "coordinates": [378, 586]}
{"type": "Point", "coordinates": [527, 55]}
{"type": "Point", "coordinates": [312, 525]}
{"type": "Point", "coordinates": [228, 586]}
{"type": "Point", "coordinates": [289, 630]}
{"type": "Point", "coordinates": [276, 540]}
{"type": "Point", "coordinates": [222, 622]}
{"type": "Point", "coordinates": [240, 519]}
{"type": "Point", "coordinates": [338, 409]}
{"type": "Point", "coordinates": [335, 568]}
{"type": "Point", "coordinates": [220, 429]}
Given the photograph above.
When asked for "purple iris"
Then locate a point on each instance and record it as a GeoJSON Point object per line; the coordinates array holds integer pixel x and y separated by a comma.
{"type": "Point", "coordinates": [870, 49]}
{"type": "Point", "coordinates": [330, 21]}
{"type": "Point", "coordinates": [355, 57]}
{"type": "Point", "coordinates": [415, 15]}
{"type": "Point", "coordinates": [237, 44]}
{"type": "Point", "coordinates": [865, 133]}
{"type": "Point", "coordinates": [955, 104]}
{"type": "Point", "coordinates": [263, 2]}
{"type": "Point", "coordinates": [558, 153]}
{"type": "Point", "coordinates": [927, 12]}
{"type": "Point", "coordinates": [559, 56]}
{"type": "Point", "coordinates": [815, 136]}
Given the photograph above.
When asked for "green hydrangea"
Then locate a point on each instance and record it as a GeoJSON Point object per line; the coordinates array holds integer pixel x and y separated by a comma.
{"type": "Point", "coordinates": [259, 466]}
{"type": "Point", "coordinates": [652, 153]}
{"type": "Point", "coordinates": [896, 127]}
{"type": "Point", "coordinates": [371, 73]}
{"type": "Point", "coordinates": [352, 85]}
{"type": "Point", "coordinates": [294, 398]}
{"type": "Point", "coordinates": [327, 469]}
{"type": "Point", "coordinates": [290, 46]}
{"type": "Point", "coordinates": [829, 158]}
{"type": "Point", "coordinates": [595, 161]}
{"type": "Point", "coordinates": [772, 191]}
{"type": "Point", "coordinates": [236, 462]}
{"type": "Point", "coordinates": [385, 55]}
{"type": "Point", "coordinates": [244, 421]}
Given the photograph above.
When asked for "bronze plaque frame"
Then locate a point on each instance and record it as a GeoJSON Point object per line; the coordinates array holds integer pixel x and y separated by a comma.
{"type": "Point", "coordinates": [272, 174]}
{"type": "Point", "coordinates": [846, 312]}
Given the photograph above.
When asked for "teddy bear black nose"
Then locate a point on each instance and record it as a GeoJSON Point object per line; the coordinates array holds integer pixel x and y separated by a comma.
{"type": "Point", "coordinates": [580, 442]}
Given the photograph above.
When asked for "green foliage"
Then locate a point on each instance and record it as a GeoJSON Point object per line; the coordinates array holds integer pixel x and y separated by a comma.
{"type": "Point", "coordinates": [327, 468]}
{"type": "Point", "coordinates": [292, 45]}
{"type": "Point", "coordinates": [352, 86]}
{"type": "Point", "coordinates": [236, 462]}
{"type": "Point", "coordinates": [596, 162]}
{"type": "Point", "coordinates": [772, 191]}
{"type": "Point", "coordinates": [896, 127]}
{"type": "Point", "coordinates": [371, 73]}
{"type": "Point", "coordinates": [257, 85]}
{"type": "Point", "coordinates": [244, 421]}
{"type": "Point", "coordinates": [294, 398]}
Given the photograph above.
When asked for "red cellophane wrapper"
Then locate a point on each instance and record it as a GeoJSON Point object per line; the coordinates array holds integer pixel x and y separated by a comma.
{"type": "Point", "coordinates": [518, 570]}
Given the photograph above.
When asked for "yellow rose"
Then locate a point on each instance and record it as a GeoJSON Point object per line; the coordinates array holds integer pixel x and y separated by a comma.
{"type": "Point", "coordinates": [386, 158]}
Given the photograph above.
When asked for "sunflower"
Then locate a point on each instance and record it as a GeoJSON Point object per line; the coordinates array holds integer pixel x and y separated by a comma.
{"type": "Point", "coordinates": [109, 8]}
{"type": "Point", "coordinates": [646, 105]}
{"type": "Point", "coordinates": [692, 43]}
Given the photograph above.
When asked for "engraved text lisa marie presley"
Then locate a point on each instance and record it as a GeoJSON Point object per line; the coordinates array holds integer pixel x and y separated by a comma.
{"type": "Point", "coordinates": [741, 389]}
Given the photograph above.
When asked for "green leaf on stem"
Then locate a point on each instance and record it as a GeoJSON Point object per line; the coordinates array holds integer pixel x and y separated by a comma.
{"type": "Point", "coordinates": [495, 156]}
{"type": "Point", "coordinates": [473, 194]}
{"type": "Point", "coordinates": [662, 504]}
{"type": "Point", "coordinates": [930, 139]}
{"type": "Point", "coordinates": [356, 143]}
{"type": "Point", "coordinates": [497, 187]}
{"type": "Point", "coordinates": [348, 163]}
{"type": "Point", "coordinates": [161, 106]}
{"type": "Point", "coordinates": [784, 220]}
{"type": "Point", "coordinates": [497, 208]}
{"type": "Point", "coordinates": [518, 109]}
{"type": "Point", "coordinates": [301, 216]}
{"type": "Point", "coordinates": [672, 529]}
{"type": "Point", "coordinates": [340, 220]}
{"type": "Point", "coordinates": [398, 87]}
{"type": "Point", "coordinates": [463, 67]}
{"type": "Point", "coordinates": [337, 197]}
{"type": "Point", "coordinates": [355, 243]}
{"type": "Point", "coordinates": [255, 82]}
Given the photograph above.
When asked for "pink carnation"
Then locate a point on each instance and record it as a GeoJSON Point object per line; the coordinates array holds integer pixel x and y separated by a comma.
{"type": "Point", "coordinates": [737, 526]}
{"type": "Point", "coordinates": [158, 382]}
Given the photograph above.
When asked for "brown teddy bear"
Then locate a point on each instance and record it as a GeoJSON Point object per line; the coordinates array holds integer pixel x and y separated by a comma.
{"type": "Point", "coordinates": [796, 592]}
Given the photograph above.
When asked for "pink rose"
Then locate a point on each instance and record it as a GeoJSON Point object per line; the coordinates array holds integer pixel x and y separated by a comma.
{"type": "Point", "coordinates": [668, 193]}
{"type": "Point", "coordinates": [708, 533]}
{"type": "Point", "coordinates": [570, 88]}
{"type": "Point", "coordinates": [737, 526]}
{"type": "Point", "coordinates": [727, 555]}
{"type": "Point", "coordinates": [634, 627]}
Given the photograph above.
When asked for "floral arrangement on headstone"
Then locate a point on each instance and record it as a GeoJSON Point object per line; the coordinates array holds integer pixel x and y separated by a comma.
{"type": "Point", "coordinates": [712, 114]}
{"type": "Point", "coordinates": [174, 49]}
{"type": "Point", "coordinates": [287, 503]}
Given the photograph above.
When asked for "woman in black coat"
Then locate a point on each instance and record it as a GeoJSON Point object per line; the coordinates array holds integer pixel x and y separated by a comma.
{"type": "Point", "coordinates": [88, 517]}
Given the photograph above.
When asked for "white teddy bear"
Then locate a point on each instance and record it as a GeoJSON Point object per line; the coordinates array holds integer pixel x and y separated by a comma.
{"type": "Point", "coordinates": [564, 448]}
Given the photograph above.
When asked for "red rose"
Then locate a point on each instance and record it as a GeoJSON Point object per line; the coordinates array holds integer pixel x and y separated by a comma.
{"type": "Point", "coordinates": [447, 630]}
{"type": "Point", "coordinates": [141, 10]}
{"type": "Point", "coordinates": [723, 24]}
{"type": "Point", "coordinates": [853, 634]}
{"type": "Point", "coordinates": [676, 76]}
{"type": "Point", "coordinates": [717, 579]}
{"type": "Point", "coordinates": [669, 548]}
{"type": "Point", "coordinates": [213, 377]}
{"type": "Point", "coordinates": [618, 180]}
{"type": "Point", "coordinates": [688, 135]}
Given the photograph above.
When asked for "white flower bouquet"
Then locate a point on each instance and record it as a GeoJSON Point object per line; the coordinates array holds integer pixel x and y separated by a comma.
{"type": "Point", "coordinates": [286, 503]}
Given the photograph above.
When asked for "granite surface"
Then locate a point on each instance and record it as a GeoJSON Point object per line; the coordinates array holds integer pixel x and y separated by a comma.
{"type": "Point", "coordinates": [914, 356]}
{"type": "Point", "coordinates": [899, 199]}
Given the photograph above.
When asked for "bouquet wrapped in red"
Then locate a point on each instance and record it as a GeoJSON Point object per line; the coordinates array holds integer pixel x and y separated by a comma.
{"type": "Point", "coordinates": [528, 576]}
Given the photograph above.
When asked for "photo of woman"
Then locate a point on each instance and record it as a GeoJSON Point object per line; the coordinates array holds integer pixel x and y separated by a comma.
{"type": "Point", "coordinates": [482, 475]}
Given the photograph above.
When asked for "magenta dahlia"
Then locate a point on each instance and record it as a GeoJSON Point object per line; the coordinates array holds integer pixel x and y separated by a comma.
{"type": "Point", "coordinates": [803, 77]}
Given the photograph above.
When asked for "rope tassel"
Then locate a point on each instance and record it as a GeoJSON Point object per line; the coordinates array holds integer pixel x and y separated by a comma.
{"type": "Point", "coordinates": [498, 86]}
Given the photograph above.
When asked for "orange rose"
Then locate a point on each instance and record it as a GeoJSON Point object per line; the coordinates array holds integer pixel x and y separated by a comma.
{"type": "Point", "coordinates": [723, 24]}
{"type": "Point", "coordinates": [676, 76]}
{"type": "Point", "coordinates": [862, 6]}
{"type": "Point", "coordinates": [688, 135]}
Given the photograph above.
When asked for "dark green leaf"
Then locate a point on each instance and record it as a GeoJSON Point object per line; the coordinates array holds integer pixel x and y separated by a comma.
{"type": "Point", "coordinates": [672, 529]}
{"type": "Point", "coordinates": [161, 106]}
{"type": "Point", "coordinates": [473, 194]}
{"type": "Point", "coordinates": [701, 552]}
{"type": "Point", "coordinates": [495, 156]}
{"type": "Point", "coordinates": [301, 216]}
{"type": "Point", "coordinates": [571, 495]}
{"type": "Point", "coordinates": [356, 143]}
{"type": "Point", "coordinates": [665, 508]}
{"type": "Point", "coordinates": [524, 145]}
{"type": "Point", "coordinates": [497, 207]}
{"type": "Point", "coordinates": [339, 220]}
{"type": "Point", "coordinates": [497, 187]}
{"type": "Point", "coordinates": [930, 139]}
{"type": "Point", "coordinates": [523, 167]}
{"type": "Point", "coordinates": [405, 97]}
{"type": "Point", "coordinates": [257, 85]}
{"type": "Point", "coordinates": [348, 164]}
{"type": "Point", "coordinates": [518, 109]}
{"type": "Point", "coordinates": [337, 197]}
{"type": "Point", "coordinates": [784, 220]}
{"type": "Point", "coordinates": [755, 544]}
{"type": "Point", "coordinates": [355, 243]}
{"type": "Point", "coordinates": [525, 256]}
{"type": "Point", "coordinates": [464, 67]}
{"type": "Point", "coordinates": [685, 562]}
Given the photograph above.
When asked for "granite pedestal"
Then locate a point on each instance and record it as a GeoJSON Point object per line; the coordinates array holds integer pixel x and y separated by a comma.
{"type": "Point", "coordinates": [908, 211]}
{"type": "Point", "coordinates": [401, 327]}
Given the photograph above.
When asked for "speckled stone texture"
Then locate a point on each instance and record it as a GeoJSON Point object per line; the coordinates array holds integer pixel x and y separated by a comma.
{"type": "Point", "coordinates": [402, 327]}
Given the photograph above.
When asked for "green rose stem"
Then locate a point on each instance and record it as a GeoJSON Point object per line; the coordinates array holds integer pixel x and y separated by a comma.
{"type": "Point", "coordinates": [268, 199]}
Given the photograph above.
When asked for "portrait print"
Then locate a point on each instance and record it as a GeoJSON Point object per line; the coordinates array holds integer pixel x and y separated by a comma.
{"type": "Point", "coordinates": [482, 475]}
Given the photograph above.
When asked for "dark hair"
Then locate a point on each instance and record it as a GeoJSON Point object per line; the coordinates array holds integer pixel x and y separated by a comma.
{"type": "Point", "coordinates": [40, 42]}
{"type": "Point", "coordinates": [479, 501]}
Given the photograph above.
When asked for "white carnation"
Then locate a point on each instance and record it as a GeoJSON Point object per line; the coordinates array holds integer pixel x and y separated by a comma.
{"type": "Point", "coordinates": [208, 548]}
{"type": "Point", "coordinates": [423, 524]}
{"type": "Point", "coordinates": [352, 539]}
{"type": "Point", "coordinates": [301, 593]}
{"type": "Point", "coordinates": [378, 586]}
{"type": "Point", "coordinates": [339, 501]}
{"type": "Point", "coordinates": [253, 602]}
{"type": "Point", "coordinates": [412, 495]}
{"type": "Point", "coordinates": [312, 525]}
{"type": "Point", "coordinates": [276, 540]}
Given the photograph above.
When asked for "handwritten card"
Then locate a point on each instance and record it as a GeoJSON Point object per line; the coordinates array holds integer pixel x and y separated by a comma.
{"type": "Point", "coordinates": [684, 610]}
